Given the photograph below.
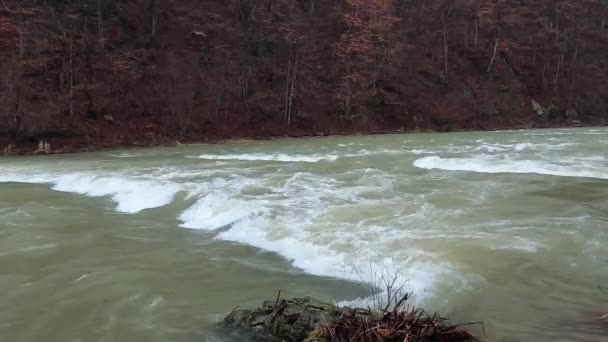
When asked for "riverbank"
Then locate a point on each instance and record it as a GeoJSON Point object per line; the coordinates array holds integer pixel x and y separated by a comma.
{"type": "Point", "coordinates": [69, 146]}
{"type": "Point", "coordinates": [191, 71]}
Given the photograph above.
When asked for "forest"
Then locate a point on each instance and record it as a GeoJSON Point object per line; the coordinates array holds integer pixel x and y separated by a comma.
{"type": "Point", "coordinates": [131, 72]}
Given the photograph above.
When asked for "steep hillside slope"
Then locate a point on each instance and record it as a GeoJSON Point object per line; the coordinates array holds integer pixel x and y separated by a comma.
{"type": "Point", "coordinates": [152, 71]}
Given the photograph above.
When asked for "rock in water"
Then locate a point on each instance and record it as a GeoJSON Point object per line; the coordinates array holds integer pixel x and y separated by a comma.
{"type": "Point", "coordinates": [292, 320]}
{"type": "Point", "coordinates": [9, 150]}
{"type": "Point", "coordinates": [309, 320]}
{"type": "Point", "coordinates": [537, 108]}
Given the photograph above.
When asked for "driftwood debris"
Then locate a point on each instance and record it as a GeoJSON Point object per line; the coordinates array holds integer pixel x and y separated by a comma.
{"type": "Point", "coordinates": [309, 320]}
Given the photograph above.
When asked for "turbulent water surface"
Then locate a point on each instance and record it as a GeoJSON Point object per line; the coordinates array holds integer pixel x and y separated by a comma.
{"type": "Point", "coordinates": [157, 244]}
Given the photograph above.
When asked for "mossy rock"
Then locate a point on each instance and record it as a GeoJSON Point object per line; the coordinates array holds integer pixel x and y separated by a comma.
{"type": "Point", "coordinates": [293, 320]}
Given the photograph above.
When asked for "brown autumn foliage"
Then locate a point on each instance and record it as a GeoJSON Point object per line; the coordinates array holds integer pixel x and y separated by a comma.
{"type": "Point", "coordinates": [151, 71]}
{"type": "Point", "coordinates": [367, 45]}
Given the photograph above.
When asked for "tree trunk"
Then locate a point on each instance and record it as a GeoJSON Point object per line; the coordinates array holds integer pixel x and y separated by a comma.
{"type": "Point", "coordinates": [21, 42]}
{"type": "Point", "coordinates": [495, 50]}
{"type": "Point", "coordinates": [100, 23]}
{"type": "Point", "coordinates": [476, 22]}
{"type": "Point", "coordinates": [556, 80]}
{"type": "Point", "coordinates": [573, 76]}
{"type": "Point", "coordinates": [287, 81]}
{"type": "Point", "coordinates": [476, 31]}
{"type": "Point", "coordinates": [445, 46]}
{"type": "Point", "coordinates": [557, 17]}
{"type": "Point", "coordinates": [293, 88]}
{"type": "Point", "coordinates": [71, 76]}
{"type": "Point", "coordinates": [466, 38]}
{"type": "Point", "coordinates": [545, 60]}
{"type": "Point", "coordinates": [153, 19]}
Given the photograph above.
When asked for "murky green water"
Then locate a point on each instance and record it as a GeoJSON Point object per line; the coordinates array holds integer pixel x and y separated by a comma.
{"type": "Point", "coordinates": [158, 244]}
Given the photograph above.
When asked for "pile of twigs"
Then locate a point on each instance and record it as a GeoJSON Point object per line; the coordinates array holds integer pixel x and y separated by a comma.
{"type": "Point", "coordinates": [401, 323]}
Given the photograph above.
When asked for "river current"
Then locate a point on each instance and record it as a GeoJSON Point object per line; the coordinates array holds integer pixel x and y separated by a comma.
{"type": "Point", "coordinates": [158, 244]}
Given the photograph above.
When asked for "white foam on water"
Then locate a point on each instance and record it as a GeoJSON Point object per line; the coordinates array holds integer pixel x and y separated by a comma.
{"type": "Point", "coordinates": [495, 165]}
{"type": "Point", "coordinates": [157, 300]}
{"type": "Point", "coordinates": [554, 132]}
{"type": "Point", "coordinates": [279, 157]}
{"type": "Point", "coordinates": [418, 281]}
{"type": "Point", "coordinates": [298, 221]}
{"type": "Point", "coordinates": [419, 151]}
{"type": "Point", "coordinates": [129, 155]}
{"type": "Point", "coordinates": [495, 148]}
{"type": "Point", "coordinates": [216, 211]}
{"type": "Point", "coordinates": [294, 158]}
{"type": "Point", "coordinates": [83, 276]}
{"type": "Point", "coordinates": [521, 244]}
{"type": "Point", "coordinates": [520, 147]}
{"type": "Point", "coordinates": [309, 257]}
{"type": "Point", "coordinates": [131, 194]}
{"type": "Point", "coordinates": [360, 265]}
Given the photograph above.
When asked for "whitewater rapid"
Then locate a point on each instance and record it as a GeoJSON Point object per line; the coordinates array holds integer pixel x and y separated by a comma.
{"type": "Point", "coordinates": [489, 164]}
{"type": "Point", "coordinates": [333, 211]}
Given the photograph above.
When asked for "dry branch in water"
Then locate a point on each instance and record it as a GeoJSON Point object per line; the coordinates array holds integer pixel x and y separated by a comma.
{"type": "Point", "coordinates": [308, 320]}
{"type": "Point", "coordinates": [402, 323]}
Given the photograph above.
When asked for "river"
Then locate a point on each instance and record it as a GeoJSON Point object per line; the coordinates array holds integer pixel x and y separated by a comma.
{"type": "Point", "coordinates": [157, 244]}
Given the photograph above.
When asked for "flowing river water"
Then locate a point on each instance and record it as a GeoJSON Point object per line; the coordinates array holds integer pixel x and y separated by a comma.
{"type": "Point", "coordinates": [158, 244]}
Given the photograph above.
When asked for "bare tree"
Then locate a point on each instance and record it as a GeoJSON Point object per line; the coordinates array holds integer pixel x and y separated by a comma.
{"type": "Point", "coordinates": [71, 76]}
{"type": "Point", "coordinates": [445, 45]}
{"type": "Point", "coordinates": [291, 82]}
{"type": "Point", "coordinates": [12, 105]}
{"type": "Point", "coordinates": [466, 37]}
{"type": "Point", "coordinates": [573, 75]}
{"type": "Point", "coordinates": [447, 11]}
{"type": "Point", "coordinates": [154, 4]}
{"type": "Point", "coordinates": [21, 43]}
{"type": "Point", "coordinates": [560, 60]}
{"type": "Point", "coordinates": [495, 43]}
{"type": "Point", "coordinates": [558, 12]}
{"type": "Point", "coordinates": [100, 23]}
{"type": "Point", "coordinates": [477, 18]}
{"type": "Point", "coordinates": [449, 7]}
{"type": "Point", "coordinates": [604, 14]}
{"type": "Point", "coordinates": [545, 62]}
{"type": "Point", "coordinates": [313, 5]}
{"type": "Point", "coordinates": [287, 88]}
{"type": "Point", "coordinates": [293, 88]}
